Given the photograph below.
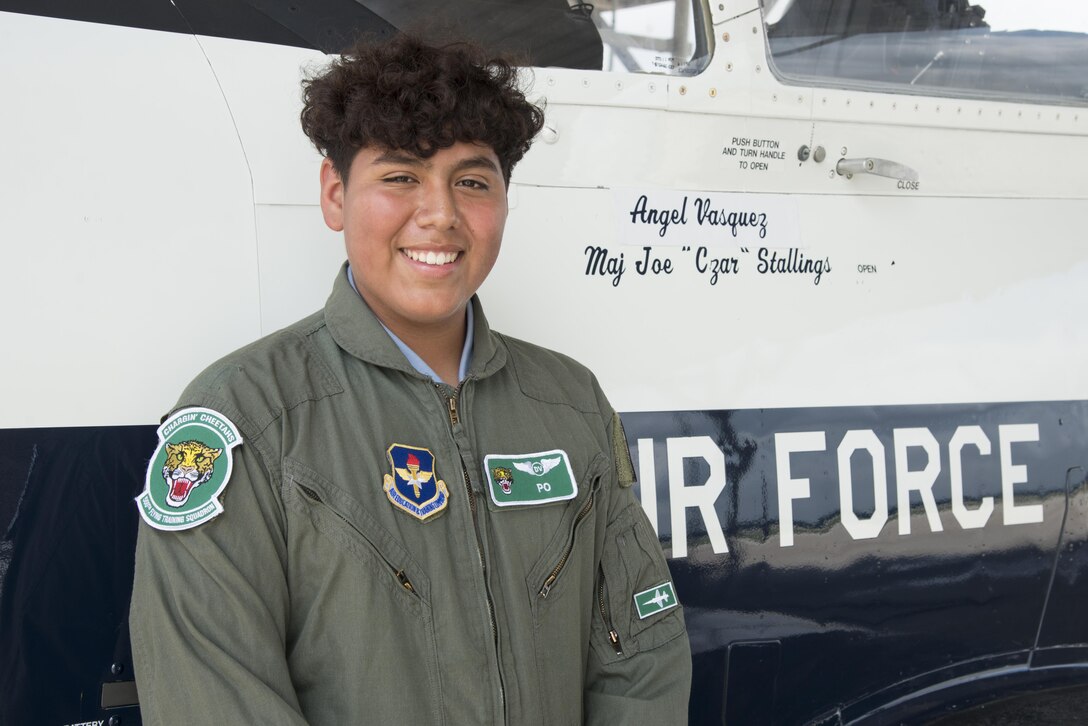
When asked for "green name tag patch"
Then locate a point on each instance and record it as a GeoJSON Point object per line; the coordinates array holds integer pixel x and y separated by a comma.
{"type": "Point", "coordinates": [654, 600]}
{"type": "Point", "coordinates": [517, 480]}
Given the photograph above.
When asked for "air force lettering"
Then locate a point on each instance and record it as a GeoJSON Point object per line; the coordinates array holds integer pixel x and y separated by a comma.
{"type": "Point", "coordinates": [412, 486]}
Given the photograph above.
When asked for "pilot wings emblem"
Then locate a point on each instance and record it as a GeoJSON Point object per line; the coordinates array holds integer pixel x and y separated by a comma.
{"type": "Point", "coordinates": [538, 468]}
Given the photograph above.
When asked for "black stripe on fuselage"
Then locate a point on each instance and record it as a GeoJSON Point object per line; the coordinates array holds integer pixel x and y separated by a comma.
{"type": "Point", "coordinates": [66, 568]}
{"type": "Point", "coordinates": [531, 32]}
{"type": "Point", "coordinates": [896, 613]}
{"type": "Point", "coordinates": [326, 25]}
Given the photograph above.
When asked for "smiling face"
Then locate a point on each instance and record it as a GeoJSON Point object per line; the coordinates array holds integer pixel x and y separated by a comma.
{"type": "Point", "coordinates": [421, 234]}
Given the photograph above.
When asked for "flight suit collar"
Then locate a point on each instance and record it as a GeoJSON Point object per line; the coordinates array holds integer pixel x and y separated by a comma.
{"type": "Point", "coordinates": [356, 330]}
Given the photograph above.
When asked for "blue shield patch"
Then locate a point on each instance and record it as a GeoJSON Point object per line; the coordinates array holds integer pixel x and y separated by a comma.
{"type": "Point", "coordinates": [413, 486]}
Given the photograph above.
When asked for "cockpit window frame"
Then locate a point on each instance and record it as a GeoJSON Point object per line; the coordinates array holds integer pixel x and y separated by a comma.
{"type": "Point", "coordinates": [966, 39]}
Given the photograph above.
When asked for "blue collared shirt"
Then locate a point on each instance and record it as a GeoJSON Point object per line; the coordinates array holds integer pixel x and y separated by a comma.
{"type": "Point", "coordinates": [418, 363]}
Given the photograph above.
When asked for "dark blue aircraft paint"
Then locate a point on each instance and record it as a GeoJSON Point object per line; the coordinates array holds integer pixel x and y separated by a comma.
{"type": "Point", "coordinates": [831, 629]}
{"type": "Point", "coordinates": [67, 569]}
{"type": "Point", "coordinates": [839, 626]}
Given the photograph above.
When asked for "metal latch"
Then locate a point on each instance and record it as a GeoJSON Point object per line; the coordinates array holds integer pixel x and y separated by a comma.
{"type": "Point", "coordinates": [876, 167]}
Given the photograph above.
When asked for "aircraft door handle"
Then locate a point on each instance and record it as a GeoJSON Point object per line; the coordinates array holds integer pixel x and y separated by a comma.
{"type": "Point", "coordinates": [876, 167]}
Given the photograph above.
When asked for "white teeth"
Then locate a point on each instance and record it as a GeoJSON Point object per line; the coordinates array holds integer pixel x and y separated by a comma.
{"type": "Point", "coordinates": [432, 257]}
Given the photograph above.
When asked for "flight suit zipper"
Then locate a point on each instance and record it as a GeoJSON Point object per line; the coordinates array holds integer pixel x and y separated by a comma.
{"type": "Point", "coordinates": [613, 636]}
{"type": "Point", "coordinates": [451, 404]}
{"type": "Point", "coordinates": [554, 574]}
{"type": "Point", "coordinates": [398, 573]}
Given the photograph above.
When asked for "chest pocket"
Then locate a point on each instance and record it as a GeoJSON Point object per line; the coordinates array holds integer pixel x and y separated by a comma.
{"type": "Point", "coordinates": [339, 518]}
{"type": "Point", "coordinates": [559, 587]}
{"type": "Point", "coordinates": [355, 590]}
{"type": "Point", "coordinates": [556, 537]}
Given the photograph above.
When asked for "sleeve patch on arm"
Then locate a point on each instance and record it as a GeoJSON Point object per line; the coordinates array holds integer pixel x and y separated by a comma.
{"type": "Point", "coordinates": [189, 469]}
{"type": "Point", "coordinates": [655, 600]}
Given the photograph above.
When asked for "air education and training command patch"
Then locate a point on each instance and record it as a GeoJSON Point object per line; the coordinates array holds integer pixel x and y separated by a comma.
{"type": "Point", "coordinates": [413, 486]}
{"type": "Point", "coordinates": [188, 470]}
{"type": "Point", "coordinates": [518, 480]}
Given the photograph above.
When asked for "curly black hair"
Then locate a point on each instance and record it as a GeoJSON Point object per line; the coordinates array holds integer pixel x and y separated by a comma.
{"type": "Point", "coordinates": [404, 94]}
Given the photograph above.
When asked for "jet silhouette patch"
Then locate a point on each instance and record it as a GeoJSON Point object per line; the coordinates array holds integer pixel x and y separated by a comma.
{"type": "Point", "coordinates": [655, 600]}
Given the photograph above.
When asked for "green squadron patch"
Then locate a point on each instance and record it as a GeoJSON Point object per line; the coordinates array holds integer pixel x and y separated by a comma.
{"type": "Point", "coordinates": [516, 480]}
{"type": "Point", "coordinates": [188, 470]}
{"type": "Point", "coordinates": [655, 600]}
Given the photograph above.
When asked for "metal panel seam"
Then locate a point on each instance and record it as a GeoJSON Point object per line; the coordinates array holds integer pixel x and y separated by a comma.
{"type": "Point", "coordinates": [1054, 566]}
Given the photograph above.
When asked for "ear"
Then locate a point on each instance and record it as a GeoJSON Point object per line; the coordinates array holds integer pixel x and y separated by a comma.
{"type": "Point", "coordinates": [332, 196]}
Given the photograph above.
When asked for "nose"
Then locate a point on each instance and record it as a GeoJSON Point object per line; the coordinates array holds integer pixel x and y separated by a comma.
{"type": "Point", "coordinates": [437, 207]}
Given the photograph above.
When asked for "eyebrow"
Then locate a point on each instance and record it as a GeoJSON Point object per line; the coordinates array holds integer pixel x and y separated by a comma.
{"type": "Point", "coordinates": [477, 162]}
{"type": "Point", "coordinates": [472, 162]}
{"type": "Point", "coordinates": [397, 157]}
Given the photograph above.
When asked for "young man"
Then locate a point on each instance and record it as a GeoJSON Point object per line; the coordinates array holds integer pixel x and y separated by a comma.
{"type": "Point", "coordinates": [388, 513]}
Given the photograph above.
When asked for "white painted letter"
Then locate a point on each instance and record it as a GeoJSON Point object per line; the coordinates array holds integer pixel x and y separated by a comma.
{"type": "Point", "coordinates": [703, 496]}
{"type": "Point", "coordinates": [853, 441]}
{"type": "Point", "coordinates": [1016, 474]}
{"type": "Point", "coordinates": [920, 481]}
{"type": "Point", "coordinates": [968, 519]}
{"type": "Point", "coordinates": [647, 480]}
{"type": "Point", "coordinates": [788, 487]}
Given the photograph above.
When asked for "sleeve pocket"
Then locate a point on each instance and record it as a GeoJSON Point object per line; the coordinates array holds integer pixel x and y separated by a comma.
{"type": "Point", "coordinates": [633, 563]}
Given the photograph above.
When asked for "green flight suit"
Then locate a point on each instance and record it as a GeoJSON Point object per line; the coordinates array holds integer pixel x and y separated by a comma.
{"type": "Point", "coordinates": [312, 599]}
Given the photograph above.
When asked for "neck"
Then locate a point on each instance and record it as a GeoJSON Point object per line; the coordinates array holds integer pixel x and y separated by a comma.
{"type": "Point", "coordinates": [439, 345]}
